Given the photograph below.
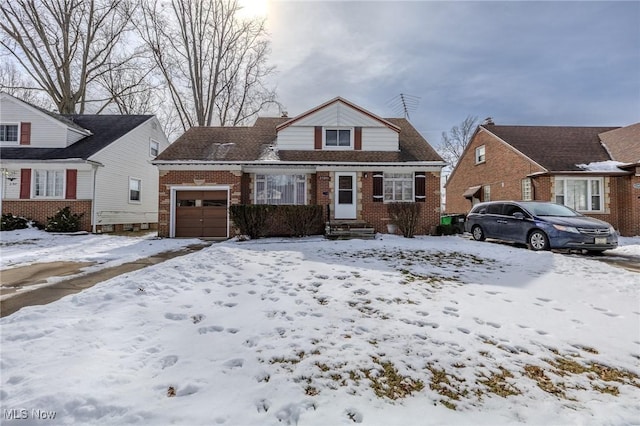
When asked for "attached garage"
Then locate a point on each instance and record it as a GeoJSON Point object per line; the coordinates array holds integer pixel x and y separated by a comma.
{"type": "Point", "coordinates": [201, 213]}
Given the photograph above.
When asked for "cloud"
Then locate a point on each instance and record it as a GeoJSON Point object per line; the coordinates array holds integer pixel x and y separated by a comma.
{"type": "Point", "coordinates": [555, 63]}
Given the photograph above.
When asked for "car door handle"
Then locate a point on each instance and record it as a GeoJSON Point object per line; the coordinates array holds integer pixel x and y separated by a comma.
{"type": "Point", "coordinates": [502, 221]}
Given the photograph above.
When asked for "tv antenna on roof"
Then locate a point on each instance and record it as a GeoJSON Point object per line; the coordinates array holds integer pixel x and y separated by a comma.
{"type": "Point", "coordinates": [404, 104]}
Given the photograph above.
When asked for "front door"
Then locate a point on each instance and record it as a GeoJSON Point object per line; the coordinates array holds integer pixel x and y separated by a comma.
{"type": "Point", "coordinates": [345, 195]}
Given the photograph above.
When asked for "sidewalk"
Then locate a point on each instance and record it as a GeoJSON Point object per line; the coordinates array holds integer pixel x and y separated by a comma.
{"type": "Point", "coordinates": [73, 285]}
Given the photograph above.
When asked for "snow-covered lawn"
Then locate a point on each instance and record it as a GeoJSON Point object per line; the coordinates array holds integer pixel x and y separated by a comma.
{"type": "Point", "coordinates": [432, 330]}
{"type": "Point", "coordinates": [28, 246]}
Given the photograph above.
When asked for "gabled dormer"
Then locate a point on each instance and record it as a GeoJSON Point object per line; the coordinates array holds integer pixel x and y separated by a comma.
{"type": "Point", "coordinates": [25, 125]}
{"type": "Point", "coordinates": [338, 125]}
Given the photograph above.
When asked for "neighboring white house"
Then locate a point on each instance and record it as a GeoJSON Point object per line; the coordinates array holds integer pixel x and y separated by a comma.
{"type": "Point", "coordinates": [98, 165]}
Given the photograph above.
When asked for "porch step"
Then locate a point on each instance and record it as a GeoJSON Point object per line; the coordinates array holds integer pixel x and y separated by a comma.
{"type": "Point", "coordinates": [345, 230]}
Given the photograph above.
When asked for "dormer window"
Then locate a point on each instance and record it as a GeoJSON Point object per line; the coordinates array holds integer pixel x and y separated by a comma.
{"type": "Point", "coordinates": [338, 138]}
{"type": "Point", "coordinates": [9, 133]}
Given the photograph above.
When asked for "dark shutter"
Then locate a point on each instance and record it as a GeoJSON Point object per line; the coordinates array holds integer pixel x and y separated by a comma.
{"type": "Point", "coordinates": [25, 184]}
{"type": "Point", "coordinates": [25, 134]}
{"type": "Point", "coordinates": [357, 139]}
{"type": "Point", "coordinates": [317, 137]}
{"type": "Point", "coordinates": [378, 186]}
{"type": "Point", "coordinates": [72, 184]}
{"type": "Point", "coordinates": [420, 184]}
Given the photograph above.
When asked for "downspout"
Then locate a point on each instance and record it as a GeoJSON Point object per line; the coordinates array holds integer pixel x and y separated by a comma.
{"type": "Point", "coordinates": [93, 200]}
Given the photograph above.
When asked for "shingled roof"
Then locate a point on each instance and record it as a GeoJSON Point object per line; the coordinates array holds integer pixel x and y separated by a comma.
{"type": "Point", "coordinates": [105, 130]}
{"type": "Point", "coordinates": [553, 147]}
{"type": "Point", "coordinates": [238, 144]}
{"type": "Point", "coordinates": [623, 144]}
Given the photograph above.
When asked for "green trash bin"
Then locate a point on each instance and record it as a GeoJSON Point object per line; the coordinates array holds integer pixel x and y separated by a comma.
{"type": "Point", "coordinates": [445, 220]}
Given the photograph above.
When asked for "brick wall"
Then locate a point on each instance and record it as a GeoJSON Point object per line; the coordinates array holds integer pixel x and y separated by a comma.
{"type": "Point", "coordinates": [169, 178]}
{"type": "Point", "coordinates": [40, 210]}
{"type": "Point", "coordinates": [320, 187]}
{"type": "Point", "coordinates": [628, 207]}
{"type": "Point", "coordinates": [376, 214]}
{"type": "Point", "coordinates": [503, 170]}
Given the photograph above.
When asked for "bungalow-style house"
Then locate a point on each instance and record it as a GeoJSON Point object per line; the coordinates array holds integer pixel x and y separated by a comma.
{"type": "Point", "coordinates": [594, 170]}
{"type": "Point", "coordinates": [98, 165]}
{"type": "Point", "coordinates": [337, 155]}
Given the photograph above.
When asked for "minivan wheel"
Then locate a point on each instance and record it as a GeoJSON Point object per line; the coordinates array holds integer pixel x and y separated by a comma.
{"type": "Point", "coordinates": [477, 233]}
{"type": "Point", "coordinates": [538, 241]}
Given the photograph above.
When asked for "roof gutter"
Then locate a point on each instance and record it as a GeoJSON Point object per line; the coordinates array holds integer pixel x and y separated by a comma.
{"type": "Point", "coordinates": [299, 163]}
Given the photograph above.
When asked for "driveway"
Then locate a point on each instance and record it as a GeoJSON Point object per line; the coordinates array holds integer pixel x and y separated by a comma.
{"type": "Point", "coordinates": [16, 279]}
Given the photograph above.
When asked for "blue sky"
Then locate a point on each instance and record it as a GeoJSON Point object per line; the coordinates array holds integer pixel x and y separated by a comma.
{"type": "Point", "coordinates": [528, 63]}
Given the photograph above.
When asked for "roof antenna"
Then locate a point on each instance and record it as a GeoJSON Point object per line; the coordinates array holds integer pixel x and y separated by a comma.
{"type": "Point", "coordinates": [404, 104]}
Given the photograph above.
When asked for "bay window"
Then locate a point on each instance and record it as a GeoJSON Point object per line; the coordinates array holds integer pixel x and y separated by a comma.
{"type": "Point", "coordinates": [49, 183]}
{"type": "Point", "coordinates": [280, 189]}
{"type": "Point", "coordinates": [581, 194]}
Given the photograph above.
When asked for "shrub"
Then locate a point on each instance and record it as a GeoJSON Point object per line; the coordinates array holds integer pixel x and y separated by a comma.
{"type": "Point", "coordinates": [64, 221]}
{"type": "Point", "coordinates": [405, 215]}
{"type": "Point", "coordinates": [301, 221]}
{"type": "Point", "coordinates": [11, 222]}
{"type": "Point", "coordinates": [251, 220]}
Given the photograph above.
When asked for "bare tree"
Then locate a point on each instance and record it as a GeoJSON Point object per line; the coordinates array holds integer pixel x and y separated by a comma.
{"type": "Point", "coordinates": [66, 45]}
{"type": "Point", "coordinates": [213, 63]}
{"type": "Point", "coordinates": [456, 140]}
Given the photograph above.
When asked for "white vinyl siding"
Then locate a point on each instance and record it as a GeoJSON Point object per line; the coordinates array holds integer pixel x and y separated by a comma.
{"type": "Point", "coordinates": [296, 138]}
{"type": "Point", "coordinates": [338, 115]}
{"type": "Point", "coordinates": [84, 188]}
{"type": "Point", "coordinates": [128, 157]}
{"type": "Point", "coordinates": [581, 194]}
{"type": "Point", "coordinates": [375, 135]}
{"type": "Point", "coordinates": [46, 132]}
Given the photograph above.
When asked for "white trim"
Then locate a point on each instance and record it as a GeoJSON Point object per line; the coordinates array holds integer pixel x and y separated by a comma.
{"type": "Point", "coordinates": [347, 212]}
{"type": "Point", "coordinates": [33, 195]}
{"type": "Point", "coordinates": [484, 154]}
{"type": "Point", "coordinates": [349, 147]}
{"type": "Point", "coordinates": [129, 200]}
{"type": "Point", "coordinates": [172, 202]}
{"type": "Point", "coordinates": [151, 142]}
{"type": "Point", "coordinates": [239, 165]}
{"type": "Point", "coordinates": [19, 133]}
{"type": "Point", "coordinates": [588, 179]}
{"type": "Point", "coordinates": [45, 115]}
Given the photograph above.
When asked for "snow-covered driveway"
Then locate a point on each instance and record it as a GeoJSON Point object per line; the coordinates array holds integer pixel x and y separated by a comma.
{"type": "Point", "coordinates": [315, 332]}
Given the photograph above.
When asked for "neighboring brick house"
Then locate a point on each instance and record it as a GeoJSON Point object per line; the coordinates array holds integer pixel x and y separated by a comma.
{"type": "Point", "coordinates": [98, 165]}
{"type": "Point", "coordinates": [337, 155]}
{"type": "Point", "coordinates": [594, 170]}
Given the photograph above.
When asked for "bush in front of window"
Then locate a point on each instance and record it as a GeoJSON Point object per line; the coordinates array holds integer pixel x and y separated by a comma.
{"type": "Point", "coordinates": [301, 221]}
{"type": "Point", "coordinates": [251, 219]}
{"type": "Point", "coordinates": [405, 216]}
{"type": "Point", "coordinates": [11, 222]}
{"type": "Point", "coordinates": [64, 221]}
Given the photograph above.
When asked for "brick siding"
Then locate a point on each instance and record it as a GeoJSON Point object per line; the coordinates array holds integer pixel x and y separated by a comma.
{"type": "Point", "coordinates": [40, 210]}
{"type": "Point", "coordinates": [320, 191]}
{"type": "Point", "coordinates": [504, 170]}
